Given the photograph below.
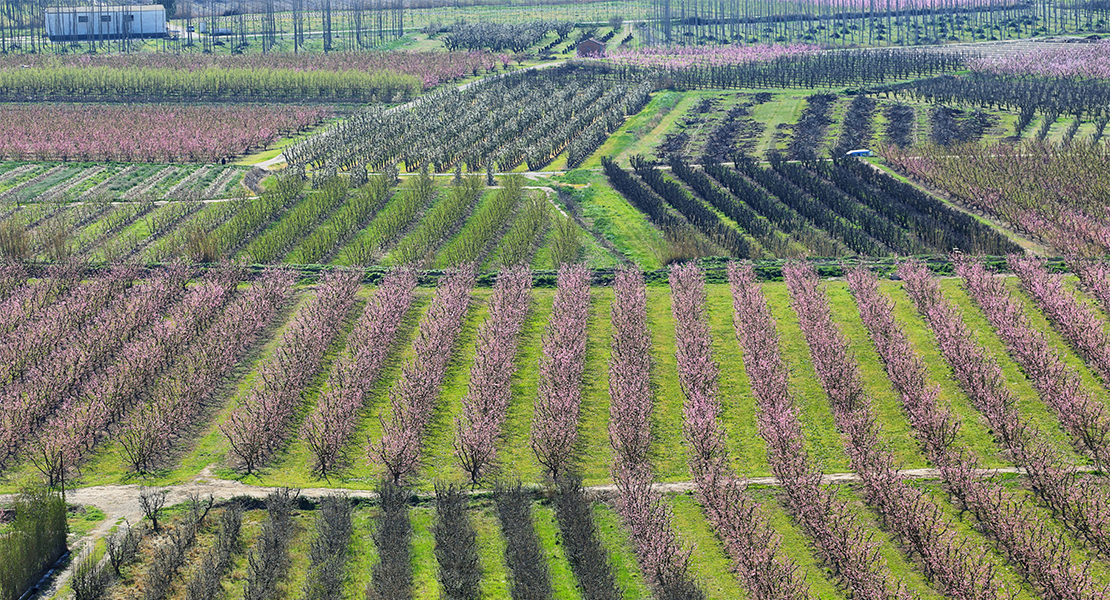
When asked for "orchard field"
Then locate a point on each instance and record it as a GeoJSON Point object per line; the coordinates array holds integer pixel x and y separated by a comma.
{"type": "Point", "coordinates": [301, 349]}
{"type": "Point", "coordinates": [373, 303]}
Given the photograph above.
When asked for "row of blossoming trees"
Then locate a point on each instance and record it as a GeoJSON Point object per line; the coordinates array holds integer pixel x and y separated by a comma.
{"type": "Point", "coordinates": [137, 359]}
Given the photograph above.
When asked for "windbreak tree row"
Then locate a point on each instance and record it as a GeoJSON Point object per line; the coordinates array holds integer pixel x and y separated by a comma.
{"type": "Point", "coordinates": [1028, 95]}
{"type": "Point", "coordinates": [802, 70]}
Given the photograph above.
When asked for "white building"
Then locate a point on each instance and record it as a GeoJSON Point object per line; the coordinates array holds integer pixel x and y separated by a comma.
{"type": "Point", "coordinates": [105, 22]}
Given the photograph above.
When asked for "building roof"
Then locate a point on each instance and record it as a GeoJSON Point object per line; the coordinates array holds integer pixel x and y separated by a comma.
{"type": "Point", "coordinates": [104, 8]}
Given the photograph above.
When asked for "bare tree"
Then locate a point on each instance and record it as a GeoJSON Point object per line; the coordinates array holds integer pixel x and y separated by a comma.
{"type": "Point", "coordinates": [151, 500]}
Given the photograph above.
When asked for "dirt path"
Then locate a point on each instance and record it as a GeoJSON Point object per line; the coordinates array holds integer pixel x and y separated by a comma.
{"type": "Point", "coordinates": [121, 502]}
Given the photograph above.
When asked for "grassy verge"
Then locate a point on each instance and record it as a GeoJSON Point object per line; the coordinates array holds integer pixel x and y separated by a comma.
{"type": "Point", "coordinates": [738, 414]}
{"type": "Point", "coordinates": [439, 450]}
{"type": "Point", "coordinates": [514, 448]}
{"type": "Point", "coordinates": [608, 213]}
{"type": "Point", "coordinates": [641, 132]}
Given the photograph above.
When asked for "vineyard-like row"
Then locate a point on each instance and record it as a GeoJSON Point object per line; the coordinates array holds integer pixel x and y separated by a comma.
{"type": "Point", "coordinates": [44, 183]}
{"type": "Point", "coordinates": [420, 223]}
{"type": "Point", "coordinates": [500, 123]}
{"type": "Point", "coordinates": [794, 209]}
{"type": "Point", "coordinates": [471, 385]}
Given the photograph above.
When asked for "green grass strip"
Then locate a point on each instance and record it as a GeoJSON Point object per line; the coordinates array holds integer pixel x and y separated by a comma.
{"type": "Point", "coordinates": [491, 553]}
{"type": "Point", "coordinates": [547, 529]}
{"type": "Point", "coordinates": [709, 564]}
{"type": "Point", "coordinates": [615, 538]}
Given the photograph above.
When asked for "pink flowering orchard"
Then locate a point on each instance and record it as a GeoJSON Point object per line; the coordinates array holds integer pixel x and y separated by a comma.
{"type": "Point", "coordinates": [835, 529]}
{"type": "Point", "coordinates": [145, 133]}
{"type": "Point", "coordinates": [1038, 549]}
{"type": "Point", "coordinates": [546, 299]}
{"type": "Point", "coordinates": [337, 413]}
{"type": "Point", "coordinates": [952, 565]}
{"type": "Point", "coordinates": [751, 541]}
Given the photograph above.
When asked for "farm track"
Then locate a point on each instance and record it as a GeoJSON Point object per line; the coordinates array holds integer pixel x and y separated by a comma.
{"type": "Point", "coordinates": [121, 502]}
{"type": "Point", "coordinates": [118, 501]}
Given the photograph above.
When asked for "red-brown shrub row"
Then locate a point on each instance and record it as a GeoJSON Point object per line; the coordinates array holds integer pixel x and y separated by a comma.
{"type": "Point", "coordinates": [555, 424]}
{"type": "Point", "coordinates": [1081, 326]}
{"type": "Point", "coordinates": [851, 553]}
{"type": "Point", "coordinates": [28, 402]}
{"type": "Point", "coordinates": [172, 133]}
{"type": "Point", "coordinates": [38, 337]}
{"type": "Point", "coordinates": [958, 569]}
{"type": "Point", "coordinates": [259, 425]}
{"type": "Point", "coordinates": [750, 540]}
{"type": "Point", "coordinates": [1040, 552]}
{"type": "Point", "coordinates": [26, 298]}
{"type": "Point", "coordinates": [1095, 276]}
{"type": "Point", "coordinates": [179, 397]}
{"type": "Point", "coordinates": [491, 377]}
{"type": "Point", "coordinates": [328, 429]}
{"type": "Point", "coordinates": [642, 509]}
{"type": "Point", "coordinates": [414, 396]}
{"type": "Point", "coordinates": [102, 400]}
{"type": "Point", "coordinates": [1061, 388]}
